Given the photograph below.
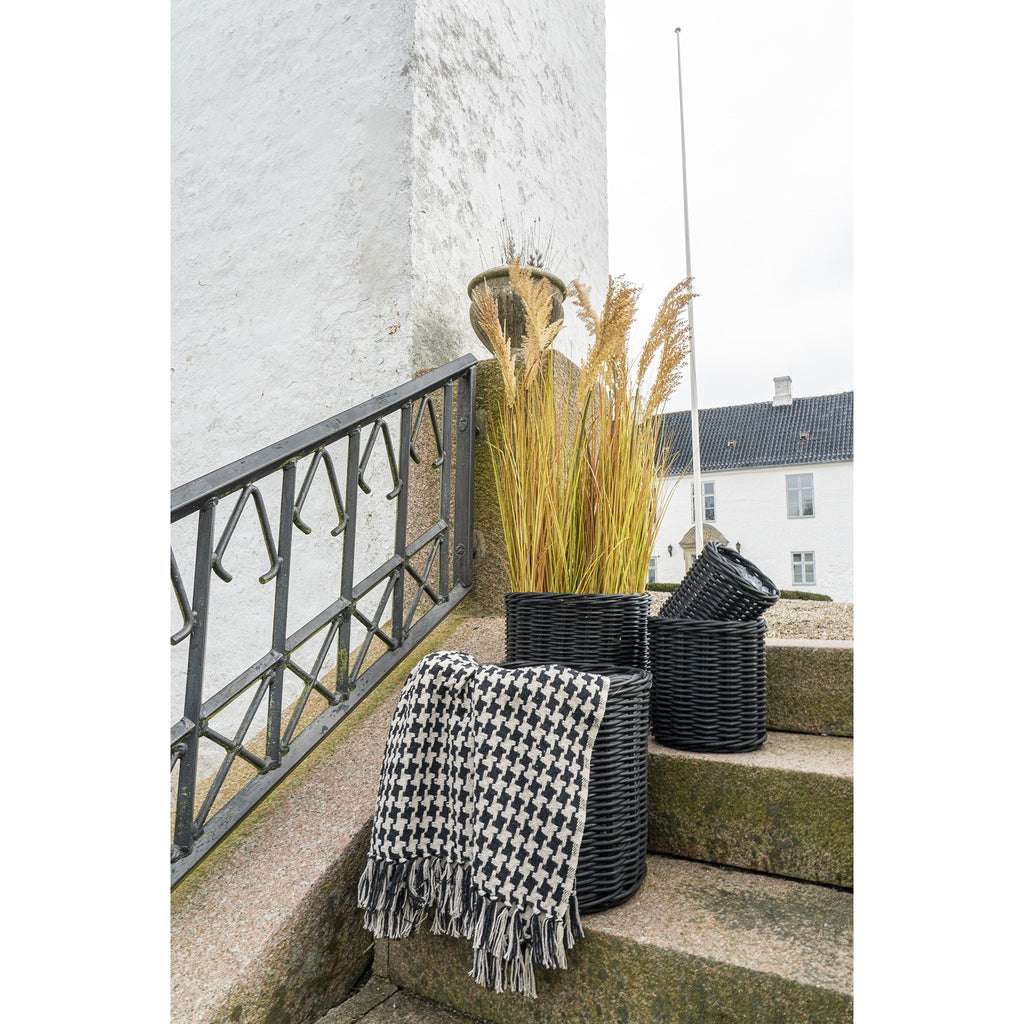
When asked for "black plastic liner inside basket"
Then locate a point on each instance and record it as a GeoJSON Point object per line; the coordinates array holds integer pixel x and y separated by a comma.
{"type": "Point", "coordinates": [722, 585]}
{"type": "Point", "coordinates": [613, 853]}
{"type": "Point", "coordinates": [710, 684]}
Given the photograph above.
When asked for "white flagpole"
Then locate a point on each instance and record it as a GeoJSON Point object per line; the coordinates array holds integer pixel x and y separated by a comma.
{"type": "Point", "coordinates": [698, 490]}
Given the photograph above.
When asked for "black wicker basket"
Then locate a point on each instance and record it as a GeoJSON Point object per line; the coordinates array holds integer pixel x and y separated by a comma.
{"type": "Point", "coordinates": [710, 684]}
{"type": "Point", "coordinates": [721, 584]}
{"type": "Point", "coordinates": [604, 633]}
{"type": "Point", "coordinates": [607, 629]}
{"type": "Point", "coordinates": [613, 852]}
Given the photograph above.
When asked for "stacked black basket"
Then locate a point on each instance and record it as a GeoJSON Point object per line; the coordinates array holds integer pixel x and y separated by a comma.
{"type": "Point", "coordinates": [707, 650]}
{"type": "Point", "coordinates": [604, 633]}
{"type": "Point", "coordinates": [721, 584]}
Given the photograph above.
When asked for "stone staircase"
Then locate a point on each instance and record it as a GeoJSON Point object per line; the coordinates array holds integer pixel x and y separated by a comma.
{"type": "Point", "coordinates": [746, 914]}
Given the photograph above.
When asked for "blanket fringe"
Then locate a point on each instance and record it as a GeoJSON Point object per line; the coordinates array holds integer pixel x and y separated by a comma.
{"type": "Point", "coordinates": [452, 899]}
{"type": "Point", "coordinates": [396, 896]}
{"type": "Point", "coordinates": [388, 895]}
{"type": "Point", "coordinates": [507, 942]}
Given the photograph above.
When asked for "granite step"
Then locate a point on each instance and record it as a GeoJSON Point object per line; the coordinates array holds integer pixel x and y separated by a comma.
{"type": "Point", "coordinates": [785, 809]}
{"type": "Point", "coordinates": [380, 1002]}
{"type": "Point", "coordinates": [696, 944]}
{"type": "Point", "coordinates": [266, 927]}
{"type": "Point", "coordinates": [810, 686]}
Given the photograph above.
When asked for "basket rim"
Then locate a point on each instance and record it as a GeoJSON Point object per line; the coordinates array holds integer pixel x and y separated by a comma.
{"type": "Point", "coordinates": [751, 624]}
{"type": "Point", "coordinates": [729, 559]}
{"type": "Point", "coordinates": [571, 593]}
{"type": "Point", "coordinates": [615, 673]}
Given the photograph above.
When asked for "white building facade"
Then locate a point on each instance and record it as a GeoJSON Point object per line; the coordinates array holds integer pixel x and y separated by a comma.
{"type": "Point", "coordinates": [777, 479]}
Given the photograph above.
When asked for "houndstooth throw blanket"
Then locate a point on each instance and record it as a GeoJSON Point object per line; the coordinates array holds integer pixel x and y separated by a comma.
{"type": "Point", "coordinates": [480, 812]}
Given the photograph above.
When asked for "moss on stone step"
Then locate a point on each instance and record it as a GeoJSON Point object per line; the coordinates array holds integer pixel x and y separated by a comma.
{"type": "Point", "coordinates": [810, 687]}
{"type": "Point", "coordinates": [797, 824]}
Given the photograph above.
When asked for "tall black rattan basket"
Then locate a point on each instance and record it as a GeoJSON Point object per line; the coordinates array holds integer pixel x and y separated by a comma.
{"type": "Point", "coordinates": [613, 854]}
{"type": "Point", "coordinates": [604, 633]}
{"type": "Point", "coordinates": [710, 684]}
{"type": "Point", "coordinates": [721, 584]}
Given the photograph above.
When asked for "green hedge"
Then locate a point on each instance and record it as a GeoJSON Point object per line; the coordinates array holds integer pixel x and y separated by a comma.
{"type": "Point", "coordinates": [792, 595]}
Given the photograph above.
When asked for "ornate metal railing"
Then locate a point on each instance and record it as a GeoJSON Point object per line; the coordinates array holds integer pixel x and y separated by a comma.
{"type": "Point", "coordinates": [438, 562]}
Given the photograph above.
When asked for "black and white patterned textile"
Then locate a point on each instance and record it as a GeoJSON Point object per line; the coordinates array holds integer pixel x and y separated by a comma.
{"type": "Point", "coordinates": [481, 809]}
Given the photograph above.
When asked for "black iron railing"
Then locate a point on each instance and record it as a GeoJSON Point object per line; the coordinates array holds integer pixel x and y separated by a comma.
{"type": "Point", "coordinates": [413, 589]}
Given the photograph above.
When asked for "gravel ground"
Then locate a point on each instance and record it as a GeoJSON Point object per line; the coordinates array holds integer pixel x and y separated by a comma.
{"type": "Point", "coordinates": [800, 620]}
{"type": "Point", "coordinates": [810, 620]}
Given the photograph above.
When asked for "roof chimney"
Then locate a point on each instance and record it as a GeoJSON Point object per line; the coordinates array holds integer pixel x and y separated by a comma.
{"type": "Point", "coordinates": [783, 391]}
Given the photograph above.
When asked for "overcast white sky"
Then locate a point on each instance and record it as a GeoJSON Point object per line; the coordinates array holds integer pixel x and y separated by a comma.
{"type": "Point", "coordinates": [768, 97]}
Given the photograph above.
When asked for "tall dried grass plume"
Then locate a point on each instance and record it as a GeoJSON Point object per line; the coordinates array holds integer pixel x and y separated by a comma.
{"type": "Point", "coordinates": [580, 485]}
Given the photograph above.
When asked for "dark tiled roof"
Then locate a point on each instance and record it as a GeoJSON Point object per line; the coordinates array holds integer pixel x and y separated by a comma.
{"type": "Point", "coordinates": [764, 434]}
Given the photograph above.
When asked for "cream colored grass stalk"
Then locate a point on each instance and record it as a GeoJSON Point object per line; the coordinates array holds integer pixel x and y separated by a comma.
{"type": "Point", "coordinates": [618, 505]}
{"type": "Point", "coordinates": [580, 487]}
{"type": "Point", "coordinates": [622, 496]}
{"type": "Point", "coordinates": [487, 314]}
{"type": "Point", "coordinates": [530, 442]}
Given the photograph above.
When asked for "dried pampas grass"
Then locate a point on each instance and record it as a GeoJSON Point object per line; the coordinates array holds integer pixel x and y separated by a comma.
{"type": "Point", "coordinates": [580, 486]}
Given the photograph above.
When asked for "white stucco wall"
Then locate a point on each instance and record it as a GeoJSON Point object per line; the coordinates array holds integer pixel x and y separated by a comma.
{"type": "Point", "coordinates": [334, 178]}
{"type": "Point", "coordinates": [506, 95]}
{"type": "Point", "coordinates": [335, 173]}
{"type": "Point", "coordinates": [290, 144]}
{"type": "Point", "coordinates": [750, 508]}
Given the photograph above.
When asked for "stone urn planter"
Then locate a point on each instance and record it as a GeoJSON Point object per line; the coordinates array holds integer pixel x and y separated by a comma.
{"type": "Point", "coordinates": [510, 306]}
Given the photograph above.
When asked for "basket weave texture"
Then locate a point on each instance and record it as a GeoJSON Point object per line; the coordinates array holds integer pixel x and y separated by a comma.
{"type": "Point", "coordinates": [608, 629]}
{"type": "Point", "coordinates": [710, 684]}
{"type": "Point", "coordinates": [721, 584]}
{"type": "Point", "coordinates": [604, 633]}
{"type": "Point", "coordinates": [613, 854]}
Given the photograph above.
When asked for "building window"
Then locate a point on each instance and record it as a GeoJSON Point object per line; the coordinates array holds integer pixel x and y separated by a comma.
{"type": "Point", "coordinates": [709, 502]}
{"type": "Point", "coordinates": [652, 571]}
{"type": "Point", "coordinates": [800, 495]}
{"type": "Point", "coordinates": [803, 567]}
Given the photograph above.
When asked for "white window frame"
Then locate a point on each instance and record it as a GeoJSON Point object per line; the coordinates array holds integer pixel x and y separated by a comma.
{"type": "Point", "coordinates": [801, 487]}
{"type": "Point", "coordinates": [709, 506]}
{"type": "Point", "coordinates": [803, 563]}
{"type": "Point", "coordinates": [652, 570]}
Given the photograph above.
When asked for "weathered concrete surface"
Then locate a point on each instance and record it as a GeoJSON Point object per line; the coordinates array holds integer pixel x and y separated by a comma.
{"type": "Point", "coordinates": [786, 809]}
{"type": "Point", "coordinates": [380, 1002]}
{"type": "Point", "coordinates": [696, 945]}
{"type": "Point", "coordinates": [265, 929]}
{"type": "Point", "coordinates": [338, 175]}
{"type": "Point", "coordinates": [490, 578]}
{"type": "Point", "coordinates": [360, 1003]}
{"type": "Point", "coordinates": [810, 686]}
